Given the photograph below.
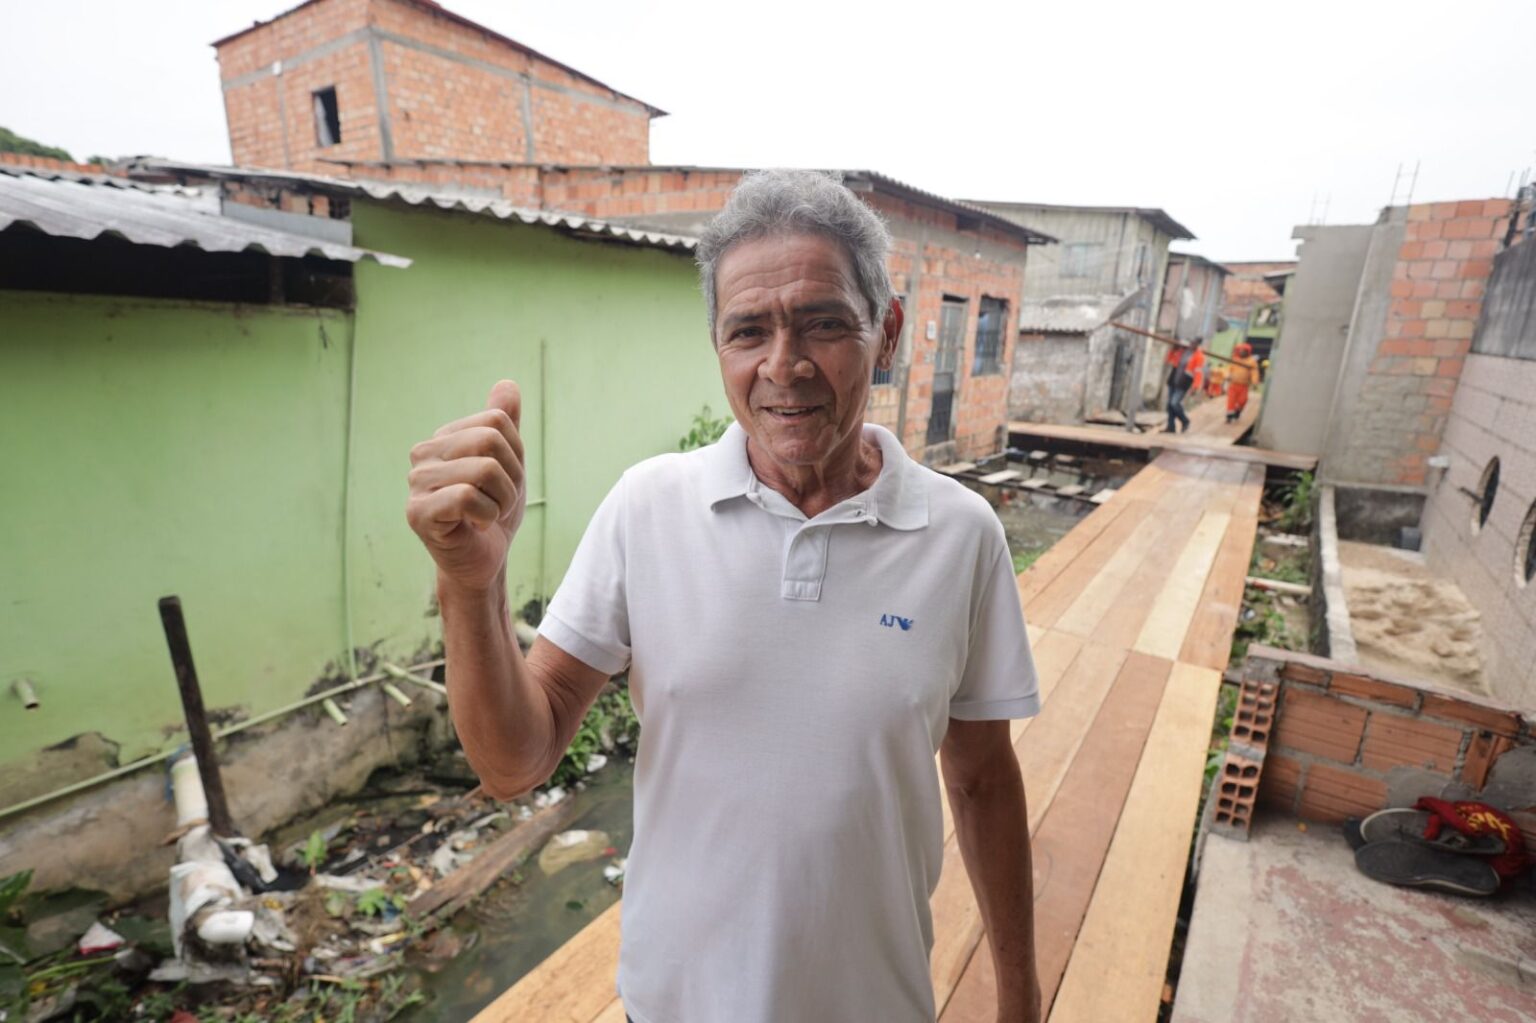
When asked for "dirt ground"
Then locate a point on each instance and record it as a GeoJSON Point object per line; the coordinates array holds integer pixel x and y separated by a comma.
{"type": "Point", "coordinates": [1409, 622]}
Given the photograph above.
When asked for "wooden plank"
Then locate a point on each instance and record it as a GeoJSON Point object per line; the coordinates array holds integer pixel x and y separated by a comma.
{"type": "Point", "coordinates": [1060, 555]}
{"type": "Point", "coordinates": [1119, 961]}
{"type": "Point", "coordinates": [1046, 606]}
{"type": "Point", "coordinates": [956, 468]}
{"type": "Point", "coordinates": [1123, 625]}
{"type": "Point", "coordinates": [1057, 734]}
{"type": "Point", "coordinates": [1072, 839]}
{"type": "Point", "coordinates": [1208, 641]}
{"type": "Point", "coordinates": [1103, 495]}
{"type": "Point", "coordinates": [574, 985]}
{"type": "Point", "coordinates": [1210, 445]}
{"type": "Point", "coordinates": [1071, 490]}
{"type": "Point", "coordinates": [1004, 476]}
{"type": "Point", "coordinates": [1035, 484]}
{"type": "Point", "coordinates": [461, 887]}
{"type": "Point", "coordinates": [613, 1014]}
{"type": "Point", "coordinates": [1162, 635]}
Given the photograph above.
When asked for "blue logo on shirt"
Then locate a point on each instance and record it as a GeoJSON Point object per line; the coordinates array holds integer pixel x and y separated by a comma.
{"type": "Point", "coordinates": [891, 621]}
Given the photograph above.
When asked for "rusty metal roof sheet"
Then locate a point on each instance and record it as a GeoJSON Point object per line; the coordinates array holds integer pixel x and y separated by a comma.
{"type": "Point", "coordinates": [415, 195]}
{"type": "Point", "coordinates": [89, 206]}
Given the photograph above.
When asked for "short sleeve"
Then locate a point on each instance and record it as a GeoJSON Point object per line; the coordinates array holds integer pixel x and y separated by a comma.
{"type": "Point", "coordinates": [588, 617]}
{"type": "Point", "coordinates": [999, 680]}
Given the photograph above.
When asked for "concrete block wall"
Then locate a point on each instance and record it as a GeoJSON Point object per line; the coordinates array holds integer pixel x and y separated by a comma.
{"type": "Point", "coordinates": [1494, 416]}
{"type": "Point", "coordinates": [1050, 378]}
{"type": "Point", "coordinates": [413, 82]}
{"type": "Point", "coordinates": [1347, 743]}
{"type": "Point", "coordinates": [1409, 387]}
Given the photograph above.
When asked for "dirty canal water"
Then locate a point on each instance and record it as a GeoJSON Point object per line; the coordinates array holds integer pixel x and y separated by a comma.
{"type": "Point", "coordinates": [513, 927]}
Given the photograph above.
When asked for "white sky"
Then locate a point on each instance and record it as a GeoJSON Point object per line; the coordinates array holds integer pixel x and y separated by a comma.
{"type": "Point", "coordinates": [1240, 119]}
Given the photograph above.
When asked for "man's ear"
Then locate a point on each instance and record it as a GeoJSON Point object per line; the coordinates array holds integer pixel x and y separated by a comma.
{"type": "Point", "coordinates": [890, 334]}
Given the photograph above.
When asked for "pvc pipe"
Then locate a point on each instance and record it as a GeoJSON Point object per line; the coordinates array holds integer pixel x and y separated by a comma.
{"type": "Point", "coordinates": [22, 687]}
{"type": "Point", "coordinates": [333, 711]}
{"type": "Point", "coordinates": [393, 692]}
{"type": "Point", "coordinates": [397, 672]}
{"type": "Point", "coordinates": [187, 789]}
{"type": "Point", "coordinates": [156, 758]}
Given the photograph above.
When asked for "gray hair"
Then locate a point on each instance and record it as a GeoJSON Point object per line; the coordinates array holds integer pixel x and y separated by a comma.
{"type": "Point", "coordinates": [770, 203]}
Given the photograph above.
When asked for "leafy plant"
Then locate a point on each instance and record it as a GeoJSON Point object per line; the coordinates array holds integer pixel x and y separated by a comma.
{"type": "Point", "coordinates": [1297, 516]}
{"type": "Point", "coordinates": [375, 901]}
{"type": "Point", "coordinates": [609, 723]}
{"type": "Point", "coordinates": [315, 848]}
{"type": "Point", "coordinates": [706, 429]}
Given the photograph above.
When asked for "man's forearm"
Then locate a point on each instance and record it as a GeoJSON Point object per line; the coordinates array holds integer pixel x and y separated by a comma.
{"type": "Point", "coordinates": [502, 715]}
{"type": "Point", "coordinates": [992, 826]}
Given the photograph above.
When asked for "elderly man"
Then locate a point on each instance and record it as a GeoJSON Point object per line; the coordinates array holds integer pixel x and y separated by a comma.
{"type": "Point", "coordinates": [806, 615]}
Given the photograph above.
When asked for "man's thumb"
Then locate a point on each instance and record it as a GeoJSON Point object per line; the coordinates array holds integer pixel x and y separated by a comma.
{"type": "Point", "coordinates": [507, 397]}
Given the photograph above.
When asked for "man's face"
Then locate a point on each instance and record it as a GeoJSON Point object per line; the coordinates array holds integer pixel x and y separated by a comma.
{"type": "Point", "coordinates": [797, 346]}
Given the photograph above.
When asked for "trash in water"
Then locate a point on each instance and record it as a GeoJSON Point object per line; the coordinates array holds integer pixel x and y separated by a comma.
{"type": "Point", "coordinates": [570, 847]}
{"type": "Point", "coordinates": [100, 938]}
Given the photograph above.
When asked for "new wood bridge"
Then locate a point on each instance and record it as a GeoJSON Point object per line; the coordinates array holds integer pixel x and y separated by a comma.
{"type": "Point", "coordinates": [1131, 616]}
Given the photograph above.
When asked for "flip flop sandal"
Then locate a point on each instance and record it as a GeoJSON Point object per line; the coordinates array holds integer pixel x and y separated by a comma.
{"type": "Point", "coordinates": [1407, 824]}
{"type": "Point", "coordinates": [1423, 866]}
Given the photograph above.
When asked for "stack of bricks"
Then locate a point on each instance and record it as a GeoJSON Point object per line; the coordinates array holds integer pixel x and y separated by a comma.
{"type": "Point", "coordinates": [1436, 296]}
{"type": "Point", "coordinates": [1342, 738]}
{"type": "Point", "coordinates": [1237, 785]}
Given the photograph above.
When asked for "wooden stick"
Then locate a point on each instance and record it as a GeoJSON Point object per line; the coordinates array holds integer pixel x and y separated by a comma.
{"type": "Point", "coordinates": [459, 888]}
{"type": "Point", "coordinates": [1170, 341]}
{"type": "Point", "coordinates": [1276, 586]}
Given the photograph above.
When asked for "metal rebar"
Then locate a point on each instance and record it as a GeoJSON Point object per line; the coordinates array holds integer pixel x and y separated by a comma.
{"type": "Point", "coordinates": [197, 718]}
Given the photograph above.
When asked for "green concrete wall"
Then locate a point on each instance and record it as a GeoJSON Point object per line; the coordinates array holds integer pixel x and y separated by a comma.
{"type": "Point", "coordinates": [162, 447]}
{"type": "Point", "coordinates": [155, 448]}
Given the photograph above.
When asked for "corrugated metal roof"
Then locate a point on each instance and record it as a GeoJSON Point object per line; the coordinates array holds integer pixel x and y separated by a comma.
{"type": "Point", "coordinates": [421, 195]}
{"type": "Point", "coordinates": [1068, 314]}
{"type": "Point", "coordinates": [89, 206]}
{"type": "Point", "coordinates": [1152, 214]}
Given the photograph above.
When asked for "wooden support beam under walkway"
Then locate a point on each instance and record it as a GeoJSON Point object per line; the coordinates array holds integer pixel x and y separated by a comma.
{"type": "Point", "coordinates": [1131, 615]}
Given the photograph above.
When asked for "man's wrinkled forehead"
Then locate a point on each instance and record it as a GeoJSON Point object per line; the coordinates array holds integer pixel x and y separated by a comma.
{"type": "Point", "coordinates": [804, 273]}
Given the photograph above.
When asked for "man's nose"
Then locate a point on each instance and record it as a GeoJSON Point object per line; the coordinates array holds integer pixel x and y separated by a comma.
{"type": "Point", "coordinates": [786, 361]}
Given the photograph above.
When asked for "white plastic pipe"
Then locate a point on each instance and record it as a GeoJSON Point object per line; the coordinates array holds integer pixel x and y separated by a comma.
{"type": "Point", "coordinates": [187, 789]}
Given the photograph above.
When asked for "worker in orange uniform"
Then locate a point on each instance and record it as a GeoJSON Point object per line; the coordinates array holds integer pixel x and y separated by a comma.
{"type": "Point", "coordinates": [1186, 367]}
{"type": "Point", "coordinates": [1243, 374]}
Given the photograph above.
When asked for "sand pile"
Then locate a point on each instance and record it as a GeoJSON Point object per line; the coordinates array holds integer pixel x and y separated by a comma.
{"type": "Point", "coordinates": [1409, 622]}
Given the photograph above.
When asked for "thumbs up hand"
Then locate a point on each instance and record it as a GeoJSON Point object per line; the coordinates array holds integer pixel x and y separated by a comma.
{"type": "Point", "coordinates": [468, 490]}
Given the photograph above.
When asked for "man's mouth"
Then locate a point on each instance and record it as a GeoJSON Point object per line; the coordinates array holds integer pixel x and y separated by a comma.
{"type": "Point", "coordinates": [791, 412]}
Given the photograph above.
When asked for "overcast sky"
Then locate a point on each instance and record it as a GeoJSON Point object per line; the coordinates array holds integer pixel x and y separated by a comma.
{"type": "Point", "coordinates": [1240, 119]}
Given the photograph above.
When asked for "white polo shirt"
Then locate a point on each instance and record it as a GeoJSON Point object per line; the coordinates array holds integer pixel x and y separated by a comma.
{"type": "Point", "coordinates": [793, 680]}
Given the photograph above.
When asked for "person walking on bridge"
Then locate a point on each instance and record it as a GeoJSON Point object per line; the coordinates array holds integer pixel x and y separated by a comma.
{"type": "Point", "coordinates": [807, 616]}
{"type": "Point", "coordinates": [1186, 366]}
{"type": "Point", "coordinates": [1243, 374]}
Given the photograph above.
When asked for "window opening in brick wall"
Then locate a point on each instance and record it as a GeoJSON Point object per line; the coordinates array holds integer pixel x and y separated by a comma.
{"type": "Point", "coordinates": [1487, 490]}
{"type": "Point", "coordinates": [946, 364]}
{"type": "Point", "coordinates": [989, 336]}
{"type": "Point", "coordinates": [327, 117]}
{"type": "Point", "coordinates": [1525, 550]}
{"type": "Point", "coordinates": [1080, 259]}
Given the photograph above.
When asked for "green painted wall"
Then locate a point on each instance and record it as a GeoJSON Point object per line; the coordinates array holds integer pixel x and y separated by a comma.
{"type": "Point", "coordinates": [627, 363]}
{"type": "Point", "coordinates": [162, 447]}
{"type": "Point", "coordinates": [155, 448]}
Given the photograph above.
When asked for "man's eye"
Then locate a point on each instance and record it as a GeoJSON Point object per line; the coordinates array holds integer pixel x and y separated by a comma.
{"type": "Point", "coordinates": [826, 324]}
{"type": "Point", "coordinates": [746, 334]}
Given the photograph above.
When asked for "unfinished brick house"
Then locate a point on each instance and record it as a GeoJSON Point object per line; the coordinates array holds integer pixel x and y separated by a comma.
{"type": "Point", "coordinates": [406, 92]}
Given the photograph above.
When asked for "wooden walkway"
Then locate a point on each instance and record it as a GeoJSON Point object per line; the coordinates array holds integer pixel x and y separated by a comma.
{"type": "Point", "coordinates": [1209, 436]}
{"type": "Point", "coordinates": [1131, 615]}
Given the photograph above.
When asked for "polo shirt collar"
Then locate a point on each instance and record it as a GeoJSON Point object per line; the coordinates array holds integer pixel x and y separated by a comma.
{"type": "Point", "coordinates": [898, 499]}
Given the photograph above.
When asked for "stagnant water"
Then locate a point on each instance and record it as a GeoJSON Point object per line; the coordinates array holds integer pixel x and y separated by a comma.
{"type": "Point", "coordinates": [514, 927]}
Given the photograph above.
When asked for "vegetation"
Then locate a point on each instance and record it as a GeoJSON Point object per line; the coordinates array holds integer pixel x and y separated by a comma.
{"type": "Point", "coordinates": [610, 723]}
{"type": "Point", "coordinates": [706, 429]}
{"type": "Point", "coordinates": [1022, 560]}
{"type": "Point", "coordinates": [10, 142]}
{"type": "Point", "coordinates": [1296, 517]}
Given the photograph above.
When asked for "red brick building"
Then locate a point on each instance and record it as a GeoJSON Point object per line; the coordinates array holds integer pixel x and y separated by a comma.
{"type": "Point", "coordinates": [381, 80]}
{"type": "Point", "coordinates": [406, 92]}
